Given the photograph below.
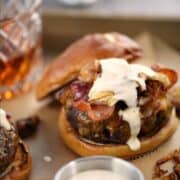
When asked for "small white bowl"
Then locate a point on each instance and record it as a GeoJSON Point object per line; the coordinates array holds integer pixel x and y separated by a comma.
{"type": "Point", "coordinates": [119, 166]}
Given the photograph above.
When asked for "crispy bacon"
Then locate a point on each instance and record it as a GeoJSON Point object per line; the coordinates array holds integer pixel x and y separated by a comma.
{"type": "Point", "coordinates": [100, 112]}
{"type": "Point", "coordinates": [82, 105]}
{"type": "Point", "coordinates": [95, 112]}
{"type": "Point", "coordinates": [171, 74]}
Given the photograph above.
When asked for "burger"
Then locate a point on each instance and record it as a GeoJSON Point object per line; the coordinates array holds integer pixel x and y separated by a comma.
{"type": "Point", "coordinates": [110, 107]}
{"type": "Point", "coordinates": [15, 160]}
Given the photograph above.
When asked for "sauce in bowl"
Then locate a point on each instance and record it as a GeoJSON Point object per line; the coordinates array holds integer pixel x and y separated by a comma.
{"type": "Point", "coordinates": [97, 175]}
{"type": "Point", "coordinates": [98, 168]}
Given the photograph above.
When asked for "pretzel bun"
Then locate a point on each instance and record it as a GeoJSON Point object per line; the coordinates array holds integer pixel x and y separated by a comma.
{"type": "Point", "coordinates": [83, 148]}
{"type": "Point", "coordinates": [92, 47]}
{"type": "Point", "coordinates": [21, 165]}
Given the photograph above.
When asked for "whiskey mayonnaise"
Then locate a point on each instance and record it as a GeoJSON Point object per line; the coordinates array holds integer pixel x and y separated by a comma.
{"type": "Point", "coordinates": [97, 175]}
{"type": "Point", "coordinates": [132, 116]}
{"type": "Point", "coordinates": [4, 121]}
{"type": "Point", "coordinates": [119, 81]}
{"type": "Point", "coordinates": [122, 79]}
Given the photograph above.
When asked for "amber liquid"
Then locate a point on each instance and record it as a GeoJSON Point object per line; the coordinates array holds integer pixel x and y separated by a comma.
{"type": "Point", "coordinates": [20, 61]}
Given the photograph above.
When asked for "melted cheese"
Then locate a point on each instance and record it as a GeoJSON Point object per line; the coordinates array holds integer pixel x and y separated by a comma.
{"type": "Point", "coordinates": [4, 121]}
{"type": "Point", "coordinates": [119, 81]}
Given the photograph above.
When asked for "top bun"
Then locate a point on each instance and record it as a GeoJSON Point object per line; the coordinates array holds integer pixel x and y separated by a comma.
{"type": "Point", "coordinates": [92, 47]}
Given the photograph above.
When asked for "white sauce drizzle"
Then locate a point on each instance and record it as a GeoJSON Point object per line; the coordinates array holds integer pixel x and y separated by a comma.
{"type": "Point", "coordinates": [4, 121]}
{"type": "Point", "coordinates": [132, 116]}
{"type": "Point", "coordinates": [123, 79]}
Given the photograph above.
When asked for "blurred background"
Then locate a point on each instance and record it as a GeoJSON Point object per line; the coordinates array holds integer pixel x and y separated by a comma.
{"type": "Point", "coordinates": [66, 21]}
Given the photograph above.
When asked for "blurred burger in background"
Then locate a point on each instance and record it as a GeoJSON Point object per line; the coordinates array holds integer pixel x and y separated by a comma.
{"type": "Point", "coordinates": [15, 159]}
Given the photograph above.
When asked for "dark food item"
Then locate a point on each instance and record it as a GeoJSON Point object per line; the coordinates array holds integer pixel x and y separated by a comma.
{"type": "Point", "coordinates": [8, 145]}
{"type": "Point", "coordinates": [160, 173]}
{"type": "Point", "coordinates": [28, 126]}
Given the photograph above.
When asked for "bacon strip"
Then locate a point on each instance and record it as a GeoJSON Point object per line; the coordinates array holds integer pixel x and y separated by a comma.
{"type": "Point", "coordinates": [100, 112]}
{"type": "Point", "coordinates": [95, 112]}
{"type": "Point", "coordinates": [82, 105]}
{"type": "Point", "coordinates": [171, 74]}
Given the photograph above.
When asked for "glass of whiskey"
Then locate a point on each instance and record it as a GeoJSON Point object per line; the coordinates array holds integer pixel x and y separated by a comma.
{"type": "Point", "coordinates": [20, 46]}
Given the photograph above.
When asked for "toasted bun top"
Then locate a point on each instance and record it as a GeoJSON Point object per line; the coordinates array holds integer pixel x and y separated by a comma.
{"type": "Point", "coordinates": [66, 67]}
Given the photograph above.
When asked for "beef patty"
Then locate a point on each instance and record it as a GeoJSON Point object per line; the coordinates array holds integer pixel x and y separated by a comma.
{"type": "Point", "coordinates": [114, 129]}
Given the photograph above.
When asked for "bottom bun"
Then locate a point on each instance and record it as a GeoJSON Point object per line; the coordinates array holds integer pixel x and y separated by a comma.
{"type": "Point", "coordinates": [21, 165]}
{"type": "Point", "coordinates": [82, 148]}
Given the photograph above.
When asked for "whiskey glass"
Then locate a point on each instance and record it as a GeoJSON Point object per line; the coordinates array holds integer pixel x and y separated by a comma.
{"type": "Point", "coordinates": [20, 46]}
